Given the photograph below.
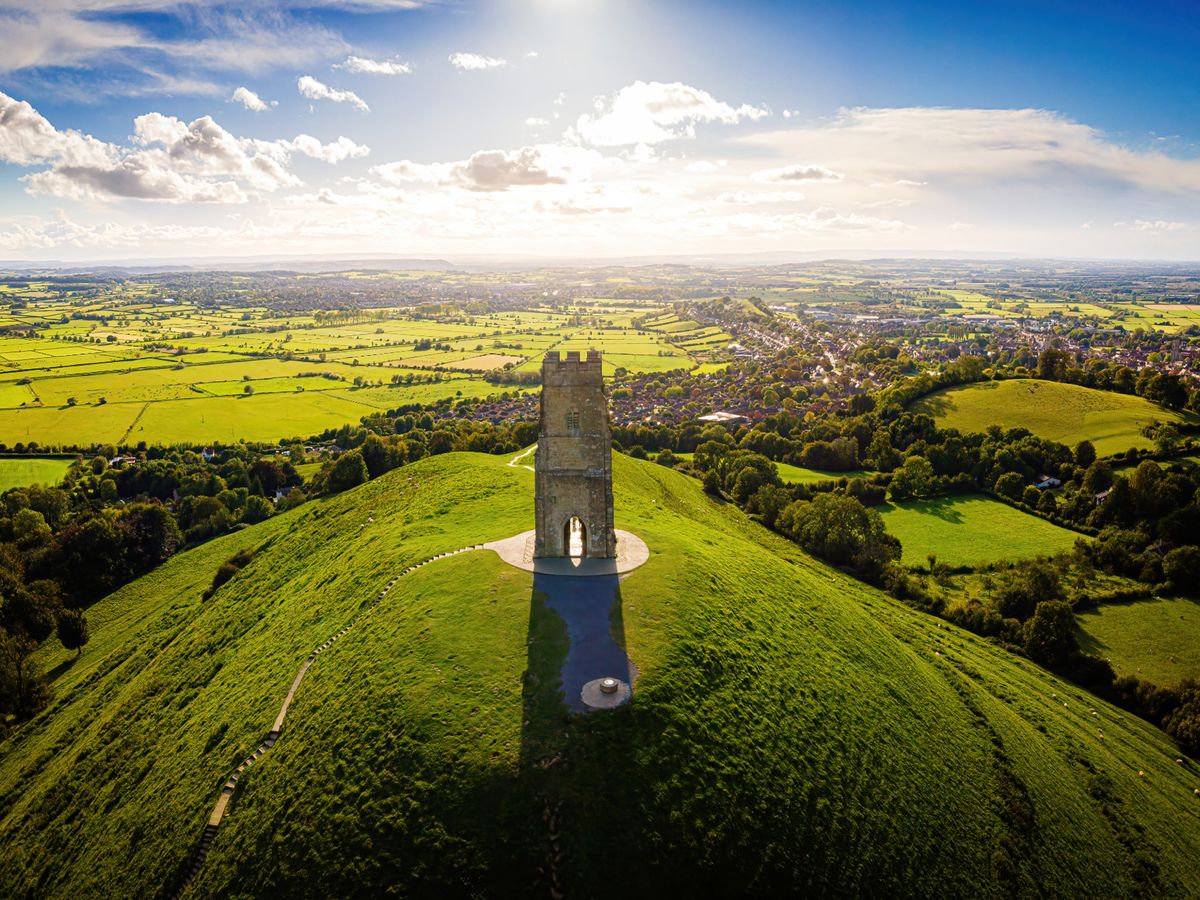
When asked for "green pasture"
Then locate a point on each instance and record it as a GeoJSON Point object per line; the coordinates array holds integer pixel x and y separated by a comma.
{"type": "Point", "coordinates": [1157, 640]}
{"type": "Point", "coordinates": [1059, 412]}
{"type": "Point", "coordinates": [22, 471]}
{"type": "Point", "coordinates": [971, 530]}
{"type": "Point", "coordinates": [801, 475]}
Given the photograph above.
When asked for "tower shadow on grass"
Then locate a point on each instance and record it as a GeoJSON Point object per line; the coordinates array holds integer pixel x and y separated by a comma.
{"type": "Point", "coordinates": [574, 760]}
{"type": "Point", "coordinates": [576, 635]}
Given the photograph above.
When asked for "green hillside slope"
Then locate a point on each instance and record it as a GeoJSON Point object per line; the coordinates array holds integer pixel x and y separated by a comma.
{"type": "Point", "coordinates": [1066, 413]}
{"type": "Point", "coordinates": [791, 729]}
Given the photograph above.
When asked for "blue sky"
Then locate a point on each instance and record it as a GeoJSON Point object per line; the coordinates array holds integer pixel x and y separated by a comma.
{"type": "Point", "coordinates": [145, 128]}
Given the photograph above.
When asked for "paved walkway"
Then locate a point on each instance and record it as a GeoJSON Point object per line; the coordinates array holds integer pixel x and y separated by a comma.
{"type": "Point", "coordinates": [518, 551]}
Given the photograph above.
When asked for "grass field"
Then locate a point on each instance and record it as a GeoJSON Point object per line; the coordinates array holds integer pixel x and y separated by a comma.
{"type": "Point", "coordinates": [971, 530]}
{"type": "Point", "coordinates": [24, 471]}
{"type": "Point", "coordinates": [784, 714]}
{"type": "Point", "coordinates": [1065, 413]}
{"type": "Point", "coordinates": [801, 475]}
{"type": "Point", "coordinates": [1157, 640]}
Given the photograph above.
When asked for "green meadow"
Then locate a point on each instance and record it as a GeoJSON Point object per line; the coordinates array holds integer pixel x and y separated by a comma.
{"type": "Point", "coordinates": [1157, 640]}
{"type": "Point", "coordinates": [23, 471]}
{"type": "Point", "coordinates": [1059, 412]}
{"type": "Point", "coordinates": [801, 475]}
{"type": "Point", "coordinates": [786, 719]}
{"type": "Point", "coordinates": [969, 530]}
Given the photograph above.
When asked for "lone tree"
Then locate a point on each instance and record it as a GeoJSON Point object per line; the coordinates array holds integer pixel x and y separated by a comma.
{"type": "Point", "coordinates": [73, 630]}
{"type": "Point", "coordinates": [1050, 636]}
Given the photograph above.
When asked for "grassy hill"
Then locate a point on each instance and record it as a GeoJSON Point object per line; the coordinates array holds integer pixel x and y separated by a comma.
{"type": "Point", "coordinates": [1065, 413]}
{"type": "Point", "coordinates": [970, 530]}
{"type": "Point", "coordinates": [791, 731]}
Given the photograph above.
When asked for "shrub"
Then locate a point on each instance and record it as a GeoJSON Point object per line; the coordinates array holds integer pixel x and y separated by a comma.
{"type": "Point", "coordinates": [1181, 567]}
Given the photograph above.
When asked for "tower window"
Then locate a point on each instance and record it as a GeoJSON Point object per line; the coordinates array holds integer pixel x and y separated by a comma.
{"type": "Point", "coordinates": [573, 420]}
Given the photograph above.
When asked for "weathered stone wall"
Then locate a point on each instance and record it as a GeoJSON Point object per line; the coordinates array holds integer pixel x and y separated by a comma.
{"type": "Point", "coordinates": [573, 468]}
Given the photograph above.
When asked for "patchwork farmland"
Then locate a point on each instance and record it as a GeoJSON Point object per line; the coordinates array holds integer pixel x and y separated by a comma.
{"type": "Point", "coordinates": [128, 365]}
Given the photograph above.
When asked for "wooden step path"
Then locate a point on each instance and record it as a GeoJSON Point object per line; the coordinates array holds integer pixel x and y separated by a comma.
{"type": "Point", "coordinates": [218, 811]}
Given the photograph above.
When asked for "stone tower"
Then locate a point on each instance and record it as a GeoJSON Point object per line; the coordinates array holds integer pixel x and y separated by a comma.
{"type": "Point", "coordinates": [573, 469]}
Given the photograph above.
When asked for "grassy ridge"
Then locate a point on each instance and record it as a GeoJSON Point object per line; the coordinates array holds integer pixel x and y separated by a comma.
{"type": "Point", "coordinates": [792, 729]}
{"type": "Point", "coordinates": [1066, 413]}
{"type": "Point", "coordinates": [971, 530]}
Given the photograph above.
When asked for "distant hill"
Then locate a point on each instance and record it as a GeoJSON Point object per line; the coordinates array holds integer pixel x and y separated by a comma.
{"type": "Point", "coordinates": [792, 730]}
{"type": "Point", "coordinates": [1066, 413]}
{"type": "Point", "coordinates": [231, 264]}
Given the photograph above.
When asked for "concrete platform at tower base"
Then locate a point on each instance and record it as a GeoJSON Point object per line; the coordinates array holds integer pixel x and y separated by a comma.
{"type": "Point", "coordinates": [518, 551]}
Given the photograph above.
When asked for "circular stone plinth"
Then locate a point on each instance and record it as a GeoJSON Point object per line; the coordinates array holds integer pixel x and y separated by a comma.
{"type": "Point", "coordinates": [595, 697]}
{"type": "Point", "coordinates": [518, 551]}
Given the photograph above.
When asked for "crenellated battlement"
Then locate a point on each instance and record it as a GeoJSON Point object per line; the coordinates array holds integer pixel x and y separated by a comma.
{"type": "Point", "coordinates": [572, 370]}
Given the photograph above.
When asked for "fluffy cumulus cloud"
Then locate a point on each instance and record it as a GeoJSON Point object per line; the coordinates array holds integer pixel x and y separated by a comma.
{"type": "Point", "coordinates": [28, 138]}
{"type": "Point", "coordinates": [359, 65]}
{"type": "Point", "coordinates": [315, 90]}
{"type": "Point", "coordinates": [249, 99]}
{"type": "Point", "coordinates": [653, 112]}
{"type": "Point", "coordinates": [476, 62]}
{"type": "Point", "coordinates": [168, 159]}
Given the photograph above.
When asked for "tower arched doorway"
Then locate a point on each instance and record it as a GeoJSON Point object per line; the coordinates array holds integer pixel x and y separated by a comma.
{"type": "Point", "coordinates": [575, 537]}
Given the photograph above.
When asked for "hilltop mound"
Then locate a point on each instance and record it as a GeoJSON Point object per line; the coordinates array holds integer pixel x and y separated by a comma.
{"type": "Point", "coordinates": [791, 729]}
{"type": "Point", "coordinates": [1066, 413]}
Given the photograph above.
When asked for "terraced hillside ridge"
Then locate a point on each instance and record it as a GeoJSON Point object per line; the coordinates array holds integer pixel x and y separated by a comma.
{"type": "Point", "coordinates": [791, 730]}
{"type": "Point", "coordinates": [1066, 413]}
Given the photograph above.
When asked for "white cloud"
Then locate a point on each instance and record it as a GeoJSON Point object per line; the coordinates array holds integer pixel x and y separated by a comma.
{"type": "Point", "coordinates": [475, 62]}
{"type": "Point", "coordinates": [1157, 225]}
{"type": "Point", "coordinates": [805, 172]}
{"type": "Point", "coordinates": [361, 66]}
{"type": "Point", "coordinates": [498, 170]}
{"type": "Point", "coordinates": [653, 112]}
{"type": "Point", "coordinates": [249, 99]}
{"type": "Point", "coordinates": [341, 149]}
{"type": "Point", "coordinates": [960, 148]}
{"type": "Point", "coordinates": [27, 138]}
{"type": "Point", "coordinates": [486, 171]}
{"type": "Point", "coordinates": [531, 54]}
{"type": "Point", "coordinates": [168, 159]}
{"type": "Point", "coordinates": [536, 122]}
{"type": "Point", "coordinates": [76, 33]}
{"type": "Point", "coordinates": [315, 90]}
